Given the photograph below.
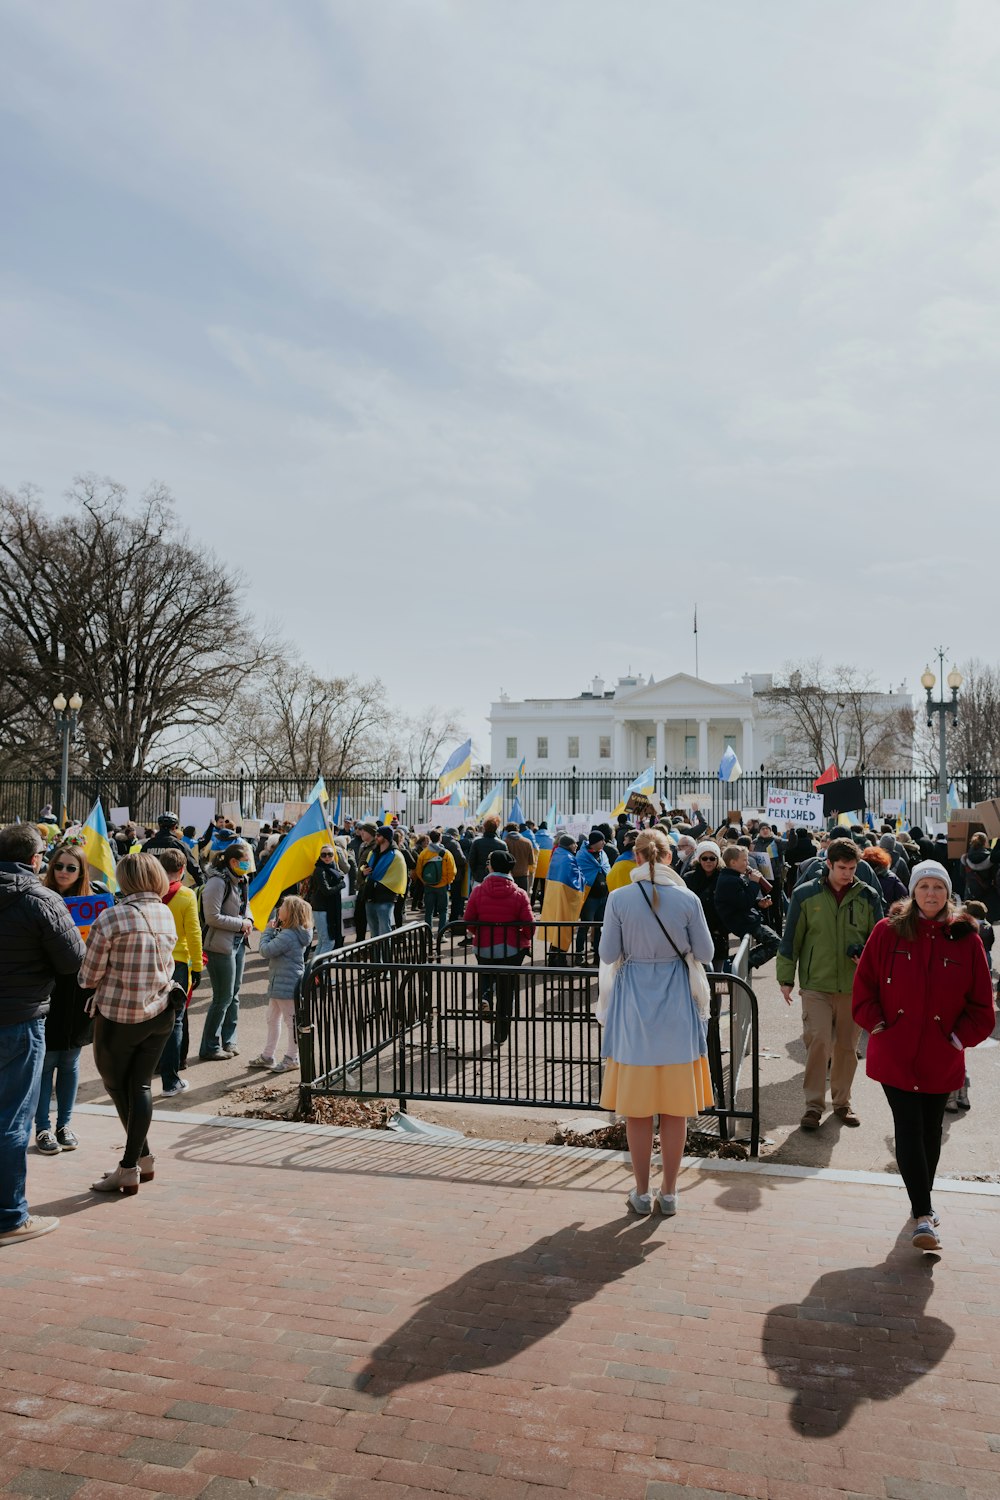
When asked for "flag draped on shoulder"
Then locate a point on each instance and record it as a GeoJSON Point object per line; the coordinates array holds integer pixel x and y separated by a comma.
{"type": "Point", "coordinates": [565, 893]}
{"type": "Point", "coordinates": [621, 870]}
{"type": "Point", "coordinates": [456, 766]}
{"type": "Point", "coordinates": [292, 861]}
{"type": "Point", "coordinates": [97, 847]}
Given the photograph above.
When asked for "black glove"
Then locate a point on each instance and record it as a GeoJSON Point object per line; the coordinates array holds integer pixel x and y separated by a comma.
{"type": "Point", "coordinates": [195, 981]}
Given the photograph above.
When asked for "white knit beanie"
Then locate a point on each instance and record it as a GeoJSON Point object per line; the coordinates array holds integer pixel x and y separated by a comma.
{"type": "Point", "coordinates": [707, 846]}
{"type": "Point", "coordinates": [929, 869]}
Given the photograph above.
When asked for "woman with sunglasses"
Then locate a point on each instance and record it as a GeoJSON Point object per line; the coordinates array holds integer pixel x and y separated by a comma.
{"type": "Point", "coordinates": [68, 1028]}
{"type": "Point", "coordinates": [326, 885]}
{"type": "Point", "coordinates": [700, 878]}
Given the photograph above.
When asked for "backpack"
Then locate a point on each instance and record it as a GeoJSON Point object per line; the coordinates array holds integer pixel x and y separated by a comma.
{"type": "Point", "coordinates": [432, 873]}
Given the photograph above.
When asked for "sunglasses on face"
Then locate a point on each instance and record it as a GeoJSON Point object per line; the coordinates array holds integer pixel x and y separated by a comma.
{"type": "Point", "coordinates": [327, 854]}
{"type": "Point", "coordinates": [71, 869]}
{"type": "Point", "coordinates": [708, 859]}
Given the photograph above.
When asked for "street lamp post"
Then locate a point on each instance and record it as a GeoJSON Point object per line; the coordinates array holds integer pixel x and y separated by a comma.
{"type": "Point", "coordinates": [942, 708]}
{"type": "Point", "coordinates": [66, 716]}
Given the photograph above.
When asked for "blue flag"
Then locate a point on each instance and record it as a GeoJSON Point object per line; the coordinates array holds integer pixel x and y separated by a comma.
{"type": "Point", "coordinates": [729, 767]}
{"type": "Point", "coordinates": [516, 812]}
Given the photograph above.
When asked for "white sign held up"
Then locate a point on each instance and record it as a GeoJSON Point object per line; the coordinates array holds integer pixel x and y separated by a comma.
{"type": "Point", "coordinates": [802, 808]}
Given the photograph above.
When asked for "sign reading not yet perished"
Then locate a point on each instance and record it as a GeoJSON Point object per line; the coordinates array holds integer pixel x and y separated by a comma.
{"type": "Point", "coordinates": [805, 808]}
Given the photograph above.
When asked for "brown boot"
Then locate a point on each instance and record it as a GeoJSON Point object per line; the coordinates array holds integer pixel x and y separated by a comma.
{"type": "Point", "coordinates": [810, 1120]}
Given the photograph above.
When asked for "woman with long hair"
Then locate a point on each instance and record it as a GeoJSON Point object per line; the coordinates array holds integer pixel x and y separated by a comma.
{"type": "Point", "coordinates": [130, 967]}
{"type": "Point", "coordinates": [68, 1028]}
{"type": "Point", "coordinates": [227, 929]}
{"type": "Point", "coordinates": [654, 1034]}
{"type": "Point", "coordinates": [922, 989]}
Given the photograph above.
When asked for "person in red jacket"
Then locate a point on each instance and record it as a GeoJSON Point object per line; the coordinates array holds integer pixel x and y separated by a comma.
{"type": "Point", "coordinates": [498, 915]}
{"type": "Point", "coordinates": [922, 989]}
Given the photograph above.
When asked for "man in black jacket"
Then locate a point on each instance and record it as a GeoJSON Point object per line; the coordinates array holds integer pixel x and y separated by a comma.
{"type": "Point", "coordinates": [457, 892]}
{"type": "Point", "coordinates": [486, 844]}
{"type": "Point", "coordinates": [736, 902]}
{"type": "Point", "coordinates": [37, 942]}
{"type": "Point", "coordinates": [166, 837]}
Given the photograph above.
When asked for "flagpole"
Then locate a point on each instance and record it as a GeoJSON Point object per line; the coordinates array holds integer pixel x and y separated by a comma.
{"type": "Point", "coordinates": [696, 640]}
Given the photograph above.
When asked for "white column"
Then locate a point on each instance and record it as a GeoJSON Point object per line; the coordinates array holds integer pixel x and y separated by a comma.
{"type": "Point", "coordinates": [746, 759]}
{"type": "Point", "coordinates": [661, 746]}
{"type": "Point", "coordinates": [703, 746]}
{"type": "Point", "coordinates": [618, 750]}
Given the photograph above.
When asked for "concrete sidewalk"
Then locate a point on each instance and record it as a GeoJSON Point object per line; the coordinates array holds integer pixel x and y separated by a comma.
{"type": "Point", "coordinates": [293, 1311]}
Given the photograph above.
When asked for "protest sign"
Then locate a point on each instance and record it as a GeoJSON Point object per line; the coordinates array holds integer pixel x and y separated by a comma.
{"type": "Point", "coordinates": [251, 828]}
{"type": "Point", "coordinates": [293, 811]}
{"type": "Point", "coordinates": [118, 817]}
{"type": "Point", "coordinates": [232, 811]}
{"type": "Point", "coordinates": [196, 812]}
{"type": "Point", "coordinates": [272, 812]}
{"type": "Point", "coordinates": [394, 801]}
{"type": "Point", "coordinates": [804, 809]}
{"type": "Point", "coordinates": [892, 807]}
{"type": "Point", "coordinates": [694, 802]}
{"type": "Point", "coordinates": [85, 910]}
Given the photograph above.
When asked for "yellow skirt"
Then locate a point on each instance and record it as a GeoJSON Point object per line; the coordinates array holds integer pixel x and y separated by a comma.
{"type": "Point", "coordinates": [674, 1089]}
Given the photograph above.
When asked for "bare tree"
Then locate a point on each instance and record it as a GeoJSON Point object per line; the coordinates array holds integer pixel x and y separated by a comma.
{"type": "Point", "coordinates": [427, 736]}
{"type": "Point", "coordinates": [118, 604]}
{"type": "Point", "coordinates": [288, 721]}
{"type": "Point", "coordinates": [838, 716]}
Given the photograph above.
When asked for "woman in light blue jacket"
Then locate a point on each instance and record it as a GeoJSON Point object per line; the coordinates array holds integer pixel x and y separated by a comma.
{"type": "Point", "coordinates": [654, 1034]}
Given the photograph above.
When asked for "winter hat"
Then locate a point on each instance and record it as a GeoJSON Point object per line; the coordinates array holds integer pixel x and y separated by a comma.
{"type": "Point", "coordinates": [707, 846]}
{"type": "Point", "coordinates": [929, 869]}
{"type": "Point", "coordinates": [596, 837]}
{"type": "Point", "coordinates": [887, 841]}
{"type": "Point", "coordinates": [501, 863]}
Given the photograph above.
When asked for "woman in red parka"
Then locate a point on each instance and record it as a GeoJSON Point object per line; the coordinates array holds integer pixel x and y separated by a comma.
{"type": "Point", "coordinates": [498, 915]}
{"type": "Point", "coordinates": [922, 989]}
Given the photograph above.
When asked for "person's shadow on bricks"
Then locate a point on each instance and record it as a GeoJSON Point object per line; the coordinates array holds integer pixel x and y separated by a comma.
{"type": "Point", "coordinates": [859, 1335]}
{"type": "Point", "coordinates": [503, 1306]}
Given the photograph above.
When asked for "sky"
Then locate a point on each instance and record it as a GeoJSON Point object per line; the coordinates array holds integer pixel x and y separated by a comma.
{"type": "Point", "coordinates": [488, 337]}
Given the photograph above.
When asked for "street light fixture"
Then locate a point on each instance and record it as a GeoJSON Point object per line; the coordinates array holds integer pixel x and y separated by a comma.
{"type": "Point", "coordinates": [66, 716]}
{"type": "Point", "coordinates": [942, 708]}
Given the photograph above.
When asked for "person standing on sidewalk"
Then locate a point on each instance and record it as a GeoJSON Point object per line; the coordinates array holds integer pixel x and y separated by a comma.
{"type": "Point", "coordinates": [37, 942]}
{"type": "Point", "coordinates": [188, 964]}
{"type": "Point", "coordinates": [923, 991]}
{"type": "Point", "coordinates": [436, 871]}
{"type": "Point", "coordinates": [829, 921]}
{"type": "Point", "coordinates": [68, 1027]}
{"type": "Point", "coordinates": [227, 929]}
{"type": "Point", "coordinates": [130, 967]}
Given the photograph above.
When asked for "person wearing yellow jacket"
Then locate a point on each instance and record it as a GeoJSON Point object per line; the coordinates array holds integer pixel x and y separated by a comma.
{"type": "Point", "coordinates": [188, 963]}
{"type": "Point", "coordinates": [436, 869]}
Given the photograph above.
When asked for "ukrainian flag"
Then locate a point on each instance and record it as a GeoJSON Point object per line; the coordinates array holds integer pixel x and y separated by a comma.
{"type": "Point", "coordinates": [565, 894]}
{"type": "Point", "coordinates": [644, 784]}
{"type": "Point", "coordinates": [621, 871]}
{"type": "Point", "coordinates": [335, 820]}
{"type": "Point", "coordinates": [456, 766]}
{"type": "Point", "coordinates": [291, 862]}
{"type": "Point", "coordinates": [491, 806]}
{"type": "Point", "coordinates": [516, 811]}
{"type": "Point", "coordinates": [98, 846]}
{"type": "Point", "coordinates": [319, 792]}
{"type": "Point", "coordinates": [516, 778]}
{"type": "Point", "coordinates": [545, 844]}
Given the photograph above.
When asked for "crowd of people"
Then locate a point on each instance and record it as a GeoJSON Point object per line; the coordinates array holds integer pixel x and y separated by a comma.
{"type": "Point", "coordinates": [886, 936]}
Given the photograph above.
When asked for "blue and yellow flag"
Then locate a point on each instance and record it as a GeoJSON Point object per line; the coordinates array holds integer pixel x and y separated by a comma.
{"type": "Point", "coordinates": [515, 781]}
{"type": "Point", "coordinates": [491, 806]}
{"type": "Point", "coordinates": [97, 845]}
{"type": "Point", "coordinates": [621, 871]}
{"type": "Point", "coordinates": [319, 792]}
{"type": "Point", "coordinates": [292, 861]}
{"type": "Point", "coordinates": [335, 820]}
{"type": "Point", "coordinates": [456, 766]}
{"type": "Point", "coordinates": [565, 894]}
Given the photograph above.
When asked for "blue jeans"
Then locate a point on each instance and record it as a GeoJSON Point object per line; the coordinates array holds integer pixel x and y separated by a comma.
{"type": "Point", "coordinates": [171, 1055]}
{"type": "Point", "coordinates": [66, 1067]}
{"type": "Point", "coordinates": [22, 1052]}
{"type": "Point", "coordinates": [379, 917]}
{"type": "Point", "coordinates": [225, 970]}
{"type": "Point", "coordinates": [329, 933]}
{"type": "Point", "coordinates": [436, 905]}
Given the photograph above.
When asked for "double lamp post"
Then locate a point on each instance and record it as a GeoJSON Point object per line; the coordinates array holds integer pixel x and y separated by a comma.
{"type": "Point", "coordinates": [942, 708]}
{"type": "Point", "coordinates": [66, 717]}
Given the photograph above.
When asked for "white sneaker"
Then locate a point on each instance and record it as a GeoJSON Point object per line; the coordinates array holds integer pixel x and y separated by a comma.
{"type": "Point", "coordinates": [640, 1203]}
{"type": "Point", "coordinates": [667, 1204]}
{"type": "Point", "coordinates": [261, 1062]}
{"type": "Point", "coordinates": [286, 1065]}
{"type": "Point", "coordinates": [180, 1087]}
{"type": "Point", "coordinates": [29, 1230]}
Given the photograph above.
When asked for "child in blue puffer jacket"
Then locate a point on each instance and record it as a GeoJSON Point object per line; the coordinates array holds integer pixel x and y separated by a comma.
{"type": "Point", "coordinates": [284, 946]}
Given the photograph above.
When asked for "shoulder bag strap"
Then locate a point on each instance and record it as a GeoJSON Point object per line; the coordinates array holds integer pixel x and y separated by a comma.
{"type": "Point", "coordinates": [659, 924]}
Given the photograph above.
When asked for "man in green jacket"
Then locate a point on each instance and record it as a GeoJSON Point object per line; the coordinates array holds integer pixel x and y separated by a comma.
{"type": "Point", "coordinates": [829, 919]}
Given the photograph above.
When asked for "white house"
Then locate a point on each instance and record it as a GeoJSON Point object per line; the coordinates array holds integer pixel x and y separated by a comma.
{"type": "Point", "coordinates": [681, 722]}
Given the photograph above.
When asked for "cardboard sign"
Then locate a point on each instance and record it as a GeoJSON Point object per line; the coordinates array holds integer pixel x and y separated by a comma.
{"type": "Point", "coordinates": [118, 817]}
{"type": "Point", "coordinates": [233, 812]}
{"type": "Point", "coordinates": [960, 831]}
{"type": "Point", "coordinates": [803, 809]}
{"type": "Point", "coordinates": [272, 812]}
{"type": "Point", "coordinates": [892, 807]}
{"type": "Point", "coordinates": [394, 801]}
{"type": "Point", "coordinates": [251, 828]}
{"type": "Point", "coordinates": [644, 804]}
{"type": "Point", "coordinates": [85, 910]}
{"type": "Point", "coordinates": [988, 814]}
{"type": "Point", "coordinates": [292, 811]}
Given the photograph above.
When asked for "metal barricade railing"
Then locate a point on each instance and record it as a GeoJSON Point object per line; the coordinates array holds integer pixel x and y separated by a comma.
{"type": "Point", "coordinates": [458, 942]}
{"type": "Point", "coordinates": [733, 1041]}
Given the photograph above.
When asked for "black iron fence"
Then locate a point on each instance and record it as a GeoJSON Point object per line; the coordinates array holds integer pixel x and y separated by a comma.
{"type": "Point", "coordinates": [572, 794]}
{"type": "Point", "coordinates": [378, 1020]}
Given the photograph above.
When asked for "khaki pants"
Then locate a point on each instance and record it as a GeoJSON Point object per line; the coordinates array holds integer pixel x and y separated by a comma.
{"type": "Point", "coordinates": [829, 1032]}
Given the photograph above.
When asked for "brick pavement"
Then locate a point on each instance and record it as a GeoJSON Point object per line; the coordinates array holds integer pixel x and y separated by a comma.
{"type": "Point", "coordinates": [327, 1314]}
